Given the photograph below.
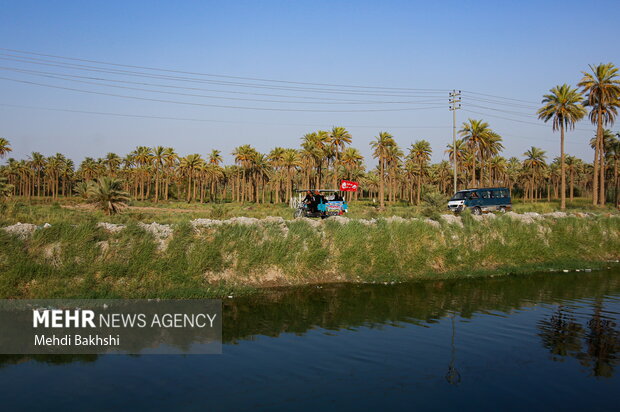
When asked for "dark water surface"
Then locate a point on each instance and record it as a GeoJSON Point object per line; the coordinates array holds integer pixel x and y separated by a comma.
{"type": "Point", "coordinates": [539, 342]}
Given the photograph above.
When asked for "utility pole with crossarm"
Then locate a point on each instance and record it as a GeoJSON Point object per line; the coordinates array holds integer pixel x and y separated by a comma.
{"type": "Point", "coordinates": [455, 104]}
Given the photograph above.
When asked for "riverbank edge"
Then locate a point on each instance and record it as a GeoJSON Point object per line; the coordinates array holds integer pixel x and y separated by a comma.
{"type": "Point", "coordinates": [583, 266]}
{"type": "Point", "coordinates": [224, 292]}
{"type": "Point", "coordinates": [97, 260]}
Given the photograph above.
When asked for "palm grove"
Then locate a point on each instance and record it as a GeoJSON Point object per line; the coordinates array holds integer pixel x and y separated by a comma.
{"type": "Point", "coordinates": [325, 157]}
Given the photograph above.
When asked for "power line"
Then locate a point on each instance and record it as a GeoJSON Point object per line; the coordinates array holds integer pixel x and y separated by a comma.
{"type": "Point", "coordinates": [55, 109]}
{"type": "Point", "coordinates": [319, 99]}
{"type": "Point", "coordinates": [505, 118]}
{"type": "Point", "coordinates": [24, 54]}
{"type": "Point", "coordinates": [215, 75]}
{"type": "Point", "coordinates": [74, 66]}
{"type": "Point", "coordinates": [328, 88]}
{"type": "Point", "coordinates": [518, 121]}
{"type": "Point", "coordinates": [279, 109]}
{"type": "Point", "coordinates": [501, 103]}
{"type": "Point", "coordinates": [63, 77]}
{"type": "Point", "coordinates": [528, 115]}
{"type": "Point", "coordinates": [500, 97]}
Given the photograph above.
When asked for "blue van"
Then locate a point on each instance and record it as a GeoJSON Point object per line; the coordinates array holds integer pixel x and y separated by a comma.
{"type": "Point", "coordinates": [490, 199]}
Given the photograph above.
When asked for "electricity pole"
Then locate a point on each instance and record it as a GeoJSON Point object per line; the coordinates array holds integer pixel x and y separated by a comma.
{"type": "Point", "coordinates": [455, 104]}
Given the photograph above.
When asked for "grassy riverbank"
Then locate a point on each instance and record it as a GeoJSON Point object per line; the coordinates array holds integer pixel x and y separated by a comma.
{"type": "Point", "coordinates": [214, 258]}
{"type": "Point", "coordinates": [75, 210]}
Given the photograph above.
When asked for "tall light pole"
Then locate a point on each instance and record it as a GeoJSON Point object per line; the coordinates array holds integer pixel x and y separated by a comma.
{"type": "Point", "coordinates": [455, 104]}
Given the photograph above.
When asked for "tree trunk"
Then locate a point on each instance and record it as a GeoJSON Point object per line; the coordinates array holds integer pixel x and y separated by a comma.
{"type": "Point", "coordinates": [563, 167]}
{"type": "Point", "coordinates": [157, 186]}
{"type": "Point", "coordinates": [336, 162]}
{"type": "Point", "coordinates": [473, 174]}
{"type": "Point", "coordinates": [616, 181]}
{"type": "Point", "coordinates": [381, 190]}
{"type": "Point", "coordinates": [601, 153]}
{"type": "Point", "coordinates": [419, 187]}
{"type": "Point", "coordinates": [595, 177]}
{"type": "Point", "coordinates": [572, 184]}
{"type": "Point", "coordinates": [166, 187]}
{"type": "Point", "coordinates": [189, 186]}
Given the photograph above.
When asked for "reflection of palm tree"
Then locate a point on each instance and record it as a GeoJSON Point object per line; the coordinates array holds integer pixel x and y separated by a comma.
{"type": "Point", "coordinates": [564, 336]}
{"type": "Point", "coordinates": [561, 334]}
{"type": "Point", "coordinates": [453, 376]}
{"type": "Point", "coordinates": [602, 342]}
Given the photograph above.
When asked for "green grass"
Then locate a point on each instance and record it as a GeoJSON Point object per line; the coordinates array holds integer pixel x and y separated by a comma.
{"type": "Point", "coordinates": [76, 259]}
{"type": "Point", "coordinates": [577, 205]}
{"type": "Point", "coordinates": [174, 212]}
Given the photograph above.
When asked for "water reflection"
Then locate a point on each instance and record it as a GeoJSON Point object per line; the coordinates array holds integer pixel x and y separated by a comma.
{"type": "Point", "coordinates": [594, 341]}
{"type": "Point", "coordinates": [575, 322]}
{"type": "Point", "coordinates": [453, 376]}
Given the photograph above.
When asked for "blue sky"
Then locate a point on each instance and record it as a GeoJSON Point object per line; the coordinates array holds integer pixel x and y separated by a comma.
{"type": "Point", "coordinates": [515, 50]}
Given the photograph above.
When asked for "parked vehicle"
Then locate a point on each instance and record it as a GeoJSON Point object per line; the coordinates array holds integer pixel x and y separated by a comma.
{"type": "Point", "coordinates": [318, 203]}
{"type": "Point", "coordinates": [490, 199]}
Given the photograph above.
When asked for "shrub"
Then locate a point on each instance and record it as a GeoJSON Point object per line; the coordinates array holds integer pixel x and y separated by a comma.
{"type": "Point", "coordinates": [433, 204]}
{"type": "Point", "coordinates": [81, 189]}
{"type": "Point", "coordinates": [107, 195]}
{"type": "Point", "coordinates": [218, 211]}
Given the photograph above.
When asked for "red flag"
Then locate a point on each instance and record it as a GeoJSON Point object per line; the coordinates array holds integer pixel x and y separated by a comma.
{"type": "Point", "coordinates": [348, 186]}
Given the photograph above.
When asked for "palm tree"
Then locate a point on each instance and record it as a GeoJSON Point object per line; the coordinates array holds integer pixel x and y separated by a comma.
{"type": "Point", "coordinates": [112, 162]}
{"type": "Point", "coordinates": [393, 163]}
{"type": "Point", "coordinates": [572, 165]}
{"type": "Point", "coordinates": [81, 189]}
{"type": "Point", "coordinates": [339, 137]}
{"type": "Point", "coordinates": [190, 164]}
{"type": "Point", "coordinates": [614, 153]}
{"type": "Point", "coordinates": [108, 195]}
{"type": "Point", "coordinates": [290, 161]}
{"type": "Point", "coordinates": [159, 158]}
{"type": "Point", "coordinates": [562, 106]}
{"type": "Point", "coordinates": [490, 146]}
{"type": "Point", "coordinates": [37, 163]}
{"type": "Point", "coordinates": [5, 147]}
{"type": "Point", "coordinates": [602, 91]}
{"type": "Point", "coordinates": [420, 153]}
{"type": "Point", "coordinates": [261, 172]}
{"type": "Point", "coordinates": [381, 147]}
{"type": "Point", "coordinates": [497, 170]}
{"type": "Point", "coordinates": [170, 159]}
{"type": "Point", "coordinates": [352, 160]}
{"type": "Point", "coordinates": [316, 147]}
{"type": "Point", "coordinates": [534, 163]}
{"type": "Point", "coordinates": [474, 133]}
{"type": "Point", "coordinates": [215, 157]}
{"type": "Point", "coordinates": [143, 156]}
{"type": "Point", "coordinates": [443, 173]}
{"type": "Point", "coordinates": [5, 188]}
{"type": "Point", "coordinates": [275, 158]}
{"type": "Point", "coordinates": [244, 155]}
{"type": "Point", "coordinates": [53, 170]}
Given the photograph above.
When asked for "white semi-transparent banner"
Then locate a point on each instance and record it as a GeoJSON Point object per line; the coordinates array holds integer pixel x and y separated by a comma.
{"type": "Point", "coordinates": [96, 326]}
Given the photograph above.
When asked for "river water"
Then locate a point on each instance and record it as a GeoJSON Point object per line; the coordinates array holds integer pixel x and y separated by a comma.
{"type": "Point", "coordinates": [537, 341]}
